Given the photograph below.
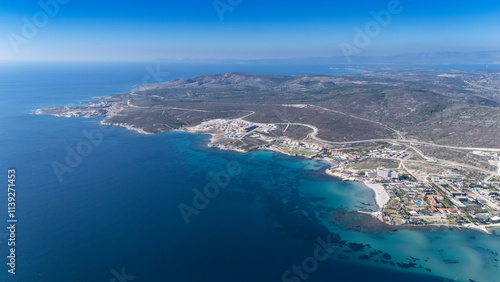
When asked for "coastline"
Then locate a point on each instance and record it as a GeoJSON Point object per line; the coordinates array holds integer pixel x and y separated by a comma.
{"type": "Point", "coordinates": [481, 228]}
{"type": "Point", "coordinates": [214, 137]}
{"type": "Point", "coordinates": [381, 195]}
{"type": "Point", "coordinates": [366, 221]}
{"type": "Point", "coordinates": [127, 126]}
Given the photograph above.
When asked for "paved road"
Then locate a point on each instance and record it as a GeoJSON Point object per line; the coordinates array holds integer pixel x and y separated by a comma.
{"type": "Point", "coordinates": [441, 162]}
{"type": "Point", "coordinates": [400, 136]}
{"type": "Point", "coordinates": [400, 139]}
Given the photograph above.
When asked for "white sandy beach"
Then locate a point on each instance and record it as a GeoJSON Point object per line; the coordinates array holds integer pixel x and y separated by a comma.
{"type": "Point", "coordinates": [381, 196]}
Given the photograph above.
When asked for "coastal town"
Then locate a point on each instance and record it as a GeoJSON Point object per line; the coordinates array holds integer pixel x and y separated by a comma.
{"type": "Point", "coordinates": [235, 129]}
{"type": "Point", "coordinates": [411, 185]}
{"type": "Point", "coordinates": [418, 152]}
{"type": "Point", "coordinates": [448, 199]}
{"type": "Point", "coordinates": [405, 195]}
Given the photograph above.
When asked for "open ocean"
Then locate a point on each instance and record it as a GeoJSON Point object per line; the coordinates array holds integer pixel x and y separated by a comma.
{"type": "Point", "coordinates": [116, 214]}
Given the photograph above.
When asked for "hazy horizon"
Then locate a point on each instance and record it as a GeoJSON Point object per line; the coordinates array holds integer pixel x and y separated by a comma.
{"type": "Point", "coordinates": [67, 30]}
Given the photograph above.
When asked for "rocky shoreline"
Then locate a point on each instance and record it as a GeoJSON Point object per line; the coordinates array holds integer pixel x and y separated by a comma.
{"type": "Point", "coordinates": [367, 222]}
{"type": "Point", "coordinates": [359, 219]}
{"type": "Point", "coordinates": [127, 126]}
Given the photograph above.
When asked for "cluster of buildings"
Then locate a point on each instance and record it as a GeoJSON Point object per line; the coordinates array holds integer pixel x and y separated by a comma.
{"type": "Point", "coordinates": [319, 150]}
{"type": "Point", "coordinates": [301, 146]}
{"type": "Point", "coordinates": [383, 173]}
{"type": "Point", "coordinates": [443, 202]}
{"type": "Point", "coordinates": [86, 113]}
{"type": "Point", "coordinates": [93, 110]}
{"type": "Point", "coordinates": [388, 153]}
{"type": "Point", "coordinates": [445, 199]}
{"type": "Point", "coordinates": [340, 155]}
{"type": "Point", "coordinates": [236, 128]}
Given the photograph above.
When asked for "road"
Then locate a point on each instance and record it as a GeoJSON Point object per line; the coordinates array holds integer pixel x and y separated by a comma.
{"type": "Point", "coordinates": [402, 140]}
{"type": "Point", "coordinates": [400, 136]}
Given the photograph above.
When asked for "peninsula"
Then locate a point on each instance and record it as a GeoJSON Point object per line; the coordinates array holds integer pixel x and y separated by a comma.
{"type": "Point", "coordinates": [425, 141]}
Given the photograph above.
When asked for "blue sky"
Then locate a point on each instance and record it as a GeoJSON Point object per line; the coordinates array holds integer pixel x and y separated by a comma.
{"type": "Point", "coordinates": [146, 30]}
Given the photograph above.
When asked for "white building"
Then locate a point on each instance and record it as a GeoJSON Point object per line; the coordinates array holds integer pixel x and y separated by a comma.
{"type": "Point", "coordinates": [383, 173]}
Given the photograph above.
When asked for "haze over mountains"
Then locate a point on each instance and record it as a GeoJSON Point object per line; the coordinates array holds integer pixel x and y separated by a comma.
{"type": "Point", "coordinates": [434, 58]}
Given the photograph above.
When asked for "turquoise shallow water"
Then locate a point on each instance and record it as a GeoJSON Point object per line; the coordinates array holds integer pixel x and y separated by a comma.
{"type": "Point", "coordinates": [119, 208]}
{"type": "Point", "coordinates": [496, 230]}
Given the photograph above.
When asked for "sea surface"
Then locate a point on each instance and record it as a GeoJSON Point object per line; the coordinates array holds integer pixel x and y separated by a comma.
{"type": "Point", "coordinates": [116, 212]}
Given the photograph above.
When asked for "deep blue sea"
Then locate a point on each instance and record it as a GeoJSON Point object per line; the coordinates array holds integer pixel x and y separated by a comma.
{"type": "Point", "coordinates": [116, 215]}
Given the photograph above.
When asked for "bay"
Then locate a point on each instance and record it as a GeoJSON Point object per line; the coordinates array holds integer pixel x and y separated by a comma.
{"type": "Point", "coordinates": [119, 208]}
